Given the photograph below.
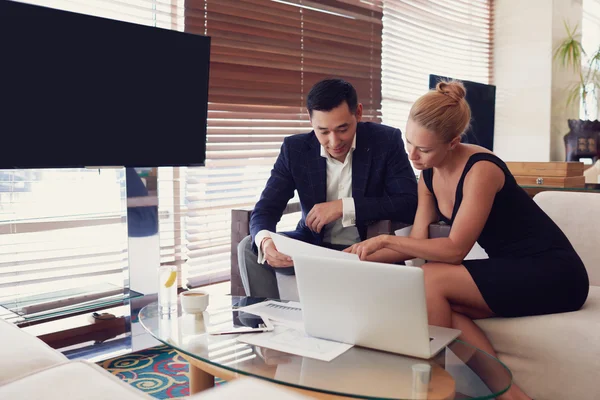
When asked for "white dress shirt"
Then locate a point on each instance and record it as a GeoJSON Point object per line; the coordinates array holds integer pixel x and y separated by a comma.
{"type": "Point", "coordinates": [339, 186]}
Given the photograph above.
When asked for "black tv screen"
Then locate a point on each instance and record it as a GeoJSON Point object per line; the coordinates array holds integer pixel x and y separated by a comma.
{"type": "Point", "coordinates": [482, 100]}
{"type": "Point", "coordinates": [78, 90]}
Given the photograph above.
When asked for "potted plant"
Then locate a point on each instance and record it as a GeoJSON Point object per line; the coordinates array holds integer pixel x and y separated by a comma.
{"type": "Point", "coordinates": [583, 139]}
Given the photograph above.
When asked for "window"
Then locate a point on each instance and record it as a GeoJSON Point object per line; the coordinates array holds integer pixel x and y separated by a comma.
{"type": "Point", "coordinates": [265, 56]}
{"type": "Point", "coordinates": [263, 63]}
{"type": "Point", "coordinates": [590, 38]}
{"type": "Point", "coordinates": [443, 37]}
{"type": "Point", "coordinates": [63, 232]}
{"type": "Point", "coordinates": [50, 222]}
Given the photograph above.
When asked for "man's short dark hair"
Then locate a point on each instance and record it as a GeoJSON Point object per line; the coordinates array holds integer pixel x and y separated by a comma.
{"type": "Point", "coordinates": [330, 93]}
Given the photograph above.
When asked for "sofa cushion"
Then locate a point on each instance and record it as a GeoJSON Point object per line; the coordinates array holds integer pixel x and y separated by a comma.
{"type": "Point", "coordinates": [23, 352]}
{"type": "Point", "coordinates": [552, 356]}
{"type": "Point", "coordinates": [576, 214]}
{"type": "Point", "coordinates": [72, 380]}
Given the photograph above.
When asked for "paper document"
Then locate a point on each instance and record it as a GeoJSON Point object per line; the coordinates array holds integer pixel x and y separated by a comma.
{"type": "Point", "coordinates": [289, 314]}
{"type": "Point", "coordinates": [404, 232]}
{"type": "Point", "coordinates": [292, 247]}
{"type": "Point", "coordinates": [290, 340]}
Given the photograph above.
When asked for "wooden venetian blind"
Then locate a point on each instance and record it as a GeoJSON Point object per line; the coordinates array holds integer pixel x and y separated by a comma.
{"type": "Point", "coordinates": [265, 56]}
{"type": "Point", "coordinates": [444, 37]}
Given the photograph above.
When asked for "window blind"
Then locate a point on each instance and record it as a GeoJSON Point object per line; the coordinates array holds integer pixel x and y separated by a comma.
{"type": "Point", "coordinates": [444, 37]}
{"type": "Point", "coordinates": [63, 238]}
{"type": "Point", "coordinates": [265, 56]}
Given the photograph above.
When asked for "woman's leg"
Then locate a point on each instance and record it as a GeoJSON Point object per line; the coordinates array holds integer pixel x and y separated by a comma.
{"type": "Point", "coordinates": [453, 300]}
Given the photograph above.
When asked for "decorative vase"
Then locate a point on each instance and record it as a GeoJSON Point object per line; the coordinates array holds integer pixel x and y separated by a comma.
{"type": "Point", "coordinates": [583, 140]}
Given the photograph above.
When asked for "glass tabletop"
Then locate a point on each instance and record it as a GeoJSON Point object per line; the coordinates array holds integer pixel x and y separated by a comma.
{"type": "Point", "coordinates": [359, 372]}
{"type": "Point", "coordinates": [104, 296]}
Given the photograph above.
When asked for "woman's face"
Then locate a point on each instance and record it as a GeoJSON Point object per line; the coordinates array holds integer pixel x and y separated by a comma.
{"type": "Point", "coordinates": [425, 148]}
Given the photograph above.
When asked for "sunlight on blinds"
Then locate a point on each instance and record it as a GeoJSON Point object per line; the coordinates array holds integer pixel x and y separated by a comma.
{"type": "Point", "coordinates": [163, 13]}
{"type": "Point", "coordinates": [265, 56]}
{"type": "Point", "coordinates": [443, 37]}
{"type": "Point", "coordinates": [64, 238]}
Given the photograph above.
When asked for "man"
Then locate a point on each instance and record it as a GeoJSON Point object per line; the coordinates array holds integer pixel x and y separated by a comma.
{"type": "Point", "coordinates": [348, 174]}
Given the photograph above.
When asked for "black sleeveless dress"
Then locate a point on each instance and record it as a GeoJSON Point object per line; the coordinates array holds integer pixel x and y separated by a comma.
{"type": "Point", "coordinates": [532, 267]}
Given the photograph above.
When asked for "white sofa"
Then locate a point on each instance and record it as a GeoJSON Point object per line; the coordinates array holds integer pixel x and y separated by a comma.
{"type": "Point", "coordinates": [551, 356]}
{"type": "Point", "coordinates": [558, 356]}
{"type": "Point", "coordinates": [30, 369]}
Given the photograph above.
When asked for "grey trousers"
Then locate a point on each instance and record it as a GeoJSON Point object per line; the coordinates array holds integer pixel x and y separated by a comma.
{"type": "Point", "coordinates": [258, 279]}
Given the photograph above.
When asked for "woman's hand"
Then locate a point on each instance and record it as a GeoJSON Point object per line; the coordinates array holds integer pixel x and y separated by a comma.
{"type": "Point", "coordinates": [365, 248]}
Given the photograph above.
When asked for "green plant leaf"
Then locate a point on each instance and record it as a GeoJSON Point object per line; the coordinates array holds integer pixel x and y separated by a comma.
{"type": "Point", "coordinates": [569, 52]}
{"type": "Point", "coordinates": [573, 94]}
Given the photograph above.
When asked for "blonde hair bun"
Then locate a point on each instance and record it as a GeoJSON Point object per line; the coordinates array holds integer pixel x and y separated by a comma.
{"type": "Point", "coordinates": [453, 89]}
{"type": "Point", "coordinates": [444, 110]}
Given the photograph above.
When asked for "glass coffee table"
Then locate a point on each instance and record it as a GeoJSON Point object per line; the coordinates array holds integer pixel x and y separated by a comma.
{"type": "Point", "coordinates": [460, 371]}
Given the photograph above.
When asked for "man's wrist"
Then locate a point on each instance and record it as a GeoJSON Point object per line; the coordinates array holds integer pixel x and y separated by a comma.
{"type": "Point", "coordinates": [263, 242]}
{"type": "Point", "coordinates": [340, 208]}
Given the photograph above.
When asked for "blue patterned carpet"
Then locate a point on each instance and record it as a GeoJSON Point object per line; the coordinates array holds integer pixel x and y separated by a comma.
{"type": "Point", "coordinates": [158, 371]}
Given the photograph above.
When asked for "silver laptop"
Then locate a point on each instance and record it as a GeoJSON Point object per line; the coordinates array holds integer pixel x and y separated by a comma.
{"type": "Point", "coordinates": [380, 306]}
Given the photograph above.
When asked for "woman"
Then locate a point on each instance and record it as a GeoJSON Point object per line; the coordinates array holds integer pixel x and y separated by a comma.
{"type": "Point", "coordinates": [532, 268]}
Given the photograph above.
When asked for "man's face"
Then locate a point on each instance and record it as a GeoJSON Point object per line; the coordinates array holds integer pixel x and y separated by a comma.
{"type": "Point", "coordinates": [335, 129]}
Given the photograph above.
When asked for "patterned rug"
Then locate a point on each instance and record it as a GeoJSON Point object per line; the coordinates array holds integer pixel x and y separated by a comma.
{"type": "Point", "coordinates": [158, 371]}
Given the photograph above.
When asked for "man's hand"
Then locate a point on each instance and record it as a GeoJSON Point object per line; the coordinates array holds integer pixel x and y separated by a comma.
{"type": "Point", "coordinates": [273, 257]}
{"type": "Point", "coordinates": [324, 213]}
{"type": "Point", "coordinates": [366, 247]}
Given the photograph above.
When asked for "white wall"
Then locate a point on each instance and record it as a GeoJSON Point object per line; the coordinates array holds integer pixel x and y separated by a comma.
{"type": "Point", "coordinates": [529, 121]}
{"type": "Point", "coordinates": [522, 75]}
{"type": "Point", "coordinates": [571, 12]}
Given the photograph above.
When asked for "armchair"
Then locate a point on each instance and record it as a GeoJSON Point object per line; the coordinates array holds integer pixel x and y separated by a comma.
{"type": "Point", "coordinates": [240, 228]}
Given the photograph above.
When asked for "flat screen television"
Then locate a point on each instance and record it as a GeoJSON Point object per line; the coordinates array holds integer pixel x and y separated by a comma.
{"type": "Point", "coordinates": [78, 90]}
{"type": "Point", "coordinates": [482, 100]}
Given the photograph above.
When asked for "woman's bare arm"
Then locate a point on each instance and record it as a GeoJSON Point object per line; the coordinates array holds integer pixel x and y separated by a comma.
{"type": "Point", "coordinates": [479, 190]}
{"type": "Point", "coordinates": [426, 214]}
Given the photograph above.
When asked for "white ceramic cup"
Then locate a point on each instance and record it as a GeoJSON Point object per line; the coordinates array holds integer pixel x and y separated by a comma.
{"type": "Point", "coordinates": [194, 301]}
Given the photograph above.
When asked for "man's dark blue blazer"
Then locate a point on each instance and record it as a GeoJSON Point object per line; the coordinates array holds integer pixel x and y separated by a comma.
{"type": "Point", "coordinates": [383, 182]}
